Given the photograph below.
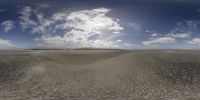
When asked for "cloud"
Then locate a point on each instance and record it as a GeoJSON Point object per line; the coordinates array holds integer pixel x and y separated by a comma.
{"type": "Point", "coordinates": [90, 21]}
{"type": "Point", "coordinates": [195, 41]}
{"type": "Point", "coordinates": [85, 28]}
{"type": "Point", "coordinates": [6, 44]}
{"type": "Point", "coordinates": [47, 41]}
{"type": "Point", "coordinates": [160, 40]}
{"type": "Point", "coordinates": [43, 5]}
{"type": "Point", "coordinates": [179, 35]}
{"type": "Point", "coordinates": [155, 35]}
{"type": "Point", "coordinates": [25, 18]}
{"type": "Point", "coordinates": [187, 26]}
{"type": "Point", "coordinates": [170, 38]}
{"type": "Point", "coordinates": [182, 32]}
{"type": "Point", "coordinates": [37, 25]}
{"type": "Point", "coordinates": [8, 25]}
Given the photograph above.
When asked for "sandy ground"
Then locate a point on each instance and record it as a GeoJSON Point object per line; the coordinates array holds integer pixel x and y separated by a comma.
{"type": "Point", "coordinates": [100, 75]}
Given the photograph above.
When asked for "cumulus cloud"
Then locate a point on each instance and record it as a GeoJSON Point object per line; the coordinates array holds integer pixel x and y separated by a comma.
{"type": "Point", "coordinates": [159, 40]}
{"type": "Point", "coordinates": [6, 44]}
{"type": "Point", "coordinates": [89, 21]}
{"type": "Point", "coordinates": [8, 25]}
{"type": "Point", "coordinates": [85, 28]}
{"type": "Point", "coordinates": [195, 41]}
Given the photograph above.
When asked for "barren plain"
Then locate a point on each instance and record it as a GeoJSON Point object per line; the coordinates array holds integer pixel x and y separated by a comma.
{"type": "Point", "coordinates": [99, 75]}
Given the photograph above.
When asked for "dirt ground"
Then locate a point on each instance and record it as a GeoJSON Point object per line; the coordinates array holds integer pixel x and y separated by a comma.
{"type": "Point", "coordinates": [99, 75]}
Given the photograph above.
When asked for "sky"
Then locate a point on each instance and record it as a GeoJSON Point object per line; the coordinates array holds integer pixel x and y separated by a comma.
{"type": "Point", "coordinates": [123, 24]}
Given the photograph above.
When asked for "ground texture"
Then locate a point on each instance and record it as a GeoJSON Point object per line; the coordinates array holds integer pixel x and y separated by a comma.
{"type": "Point", "coordinates": [99, 75]}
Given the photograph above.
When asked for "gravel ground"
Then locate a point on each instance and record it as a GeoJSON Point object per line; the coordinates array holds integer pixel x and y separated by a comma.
{"type": "Point", "coordinates": [100, 75]}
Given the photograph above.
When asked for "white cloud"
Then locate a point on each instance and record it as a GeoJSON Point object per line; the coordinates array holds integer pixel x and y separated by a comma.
{"type": "Point", "coordinates": [179, 35]}
{"type": "Point", "coordinates": [155, 35]}
{"type": "Point", "coordinates": [38, 25]}
{"type": "Point", "coordinates": [25, 18]}
{"type": "Point", "coordinates": [119, 40]}
{"type": "Point", "coordinates": [188, 27]}
{"type": "Point", "coordinates": [195, 41]}
{"type": "Point", "coordinates": [85, 28]}
{"type": "Point", "coordinates": [8, 25]}
{"type": "Point", "coordinates": [91, 21]}
{"type": "Point", "coordinates": [6, 44]}
{"type": "Point", "coordinates": [48, 41]}
{"type": "Point", "coordinates": [159, 40]}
